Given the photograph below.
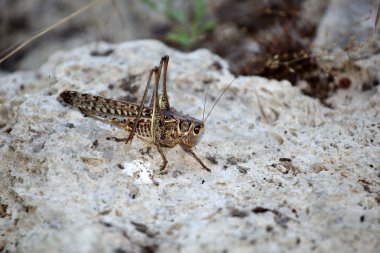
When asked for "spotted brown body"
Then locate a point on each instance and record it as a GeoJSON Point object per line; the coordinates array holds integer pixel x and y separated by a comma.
{"type": "Point", "coordinates": [157, 122]}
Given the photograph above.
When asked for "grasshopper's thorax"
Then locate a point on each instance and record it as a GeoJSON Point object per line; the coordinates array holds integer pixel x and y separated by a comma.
{"type": "Point", "coordinates": [187, 129]}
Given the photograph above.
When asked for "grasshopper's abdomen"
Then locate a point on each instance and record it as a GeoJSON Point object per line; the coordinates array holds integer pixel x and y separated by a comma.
{"type": "Point", "coordinates": [119, 113]}
{"type": "Point", "coordinates": [97, 104]}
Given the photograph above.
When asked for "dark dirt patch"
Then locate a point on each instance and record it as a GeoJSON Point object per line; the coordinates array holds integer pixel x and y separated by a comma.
{"type": "Point", "coordinates": [128, 98]}
{"type": "Point", "coordinates": [3, 210]}
{"type": "Point", "coordinates": [238, 213]}
{"type": "Point", "coordinates": [212, 159]}
{"type": "Point", "coordinates": [95, 144]}
{"type": "Point", "coordinates": [279, 217]}
{"type": "Point", "coordinates": [149, 248]}
{"type": "Point", "coordinates": [128, 84]}
{"type": "Point", "coordinates": [242, 169]}
{"type": "Point", "coordinates": [70, 125]}
{"type": "Point", "coordinates": [106, 52]}
{"type": "Point", "coordinates": [146, 151]}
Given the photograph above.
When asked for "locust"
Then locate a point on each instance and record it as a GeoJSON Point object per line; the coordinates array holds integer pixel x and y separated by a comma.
{"type": "Point", "coordinates": [158, 122]}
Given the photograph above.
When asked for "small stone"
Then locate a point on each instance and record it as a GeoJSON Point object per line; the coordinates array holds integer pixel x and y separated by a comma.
{"type": "Point", "coordinates": [318, 167]}
{"type": "Point", "coordinates": [2, 244]}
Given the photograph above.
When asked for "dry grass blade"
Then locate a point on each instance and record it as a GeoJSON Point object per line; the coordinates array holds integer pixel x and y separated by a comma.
{"type": "Point", "coordinates": [48, 29]}
{"type": "Point", "coordinates": [377, 17]}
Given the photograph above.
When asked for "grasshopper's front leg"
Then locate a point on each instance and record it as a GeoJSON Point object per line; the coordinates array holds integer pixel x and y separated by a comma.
{"type": "Point", "coordinates": [191, 152]}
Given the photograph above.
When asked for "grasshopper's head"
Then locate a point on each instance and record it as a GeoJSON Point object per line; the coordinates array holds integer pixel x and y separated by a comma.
{"type": "Point", "coordinates": [189, 129]}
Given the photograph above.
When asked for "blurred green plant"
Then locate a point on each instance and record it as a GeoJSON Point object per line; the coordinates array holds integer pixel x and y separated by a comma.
{"type": "Point", "coordinates": [151, 4]}
{"type": "Point", "coordinates": [190, 23]}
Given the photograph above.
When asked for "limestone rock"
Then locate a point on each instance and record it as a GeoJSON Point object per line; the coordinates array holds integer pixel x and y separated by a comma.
{"type": "Point", "coordinates": [288, 174]}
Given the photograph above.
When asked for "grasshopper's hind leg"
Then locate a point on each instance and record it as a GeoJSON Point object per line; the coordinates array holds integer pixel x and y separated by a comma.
{"type": "Point", "coordinates": [87, 113]}
{"type": "Point", "coordinates": [133, 131]}
{"type": "Point", "coordinates": [164, 100]}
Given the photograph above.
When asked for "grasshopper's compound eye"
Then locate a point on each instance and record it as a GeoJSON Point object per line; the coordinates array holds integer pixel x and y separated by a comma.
{"type": "Point", "coordinates": [197, 129]}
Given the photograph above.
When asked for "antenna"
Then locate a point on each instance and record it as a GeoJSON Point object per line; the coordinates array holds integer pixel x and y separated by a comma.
{"type": "Point", "coordinates": [220, 96]}
{"type": "Point", "coordinates": [204, 105]}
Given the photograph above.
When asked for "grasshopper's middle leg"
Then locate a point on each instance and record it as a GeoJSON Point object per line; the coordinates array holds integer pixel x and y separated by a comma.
{"type": "Point", "coordinates": [163, 169]}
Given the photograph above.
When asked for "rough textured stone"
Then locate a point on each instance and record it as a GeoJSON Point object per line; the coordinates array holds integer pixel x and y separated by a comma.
{"type": "Point", "coordinates": [288, 174]}
{"type": "Point", "coordinates": [346, 23]}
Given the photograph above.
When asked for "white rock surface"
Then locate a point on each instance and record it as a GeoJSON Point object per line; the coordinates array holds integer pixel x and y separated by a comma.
{"type": "Point", "coordinates": [346, 22]}
{"type": "Point", "coordinates": [65, 188]}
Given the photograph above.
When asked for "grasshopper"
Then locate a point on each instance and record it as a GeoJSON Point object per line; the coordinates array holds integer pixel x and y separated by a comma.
{"type": "Point", "coordinates": [158, 123]}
